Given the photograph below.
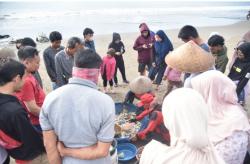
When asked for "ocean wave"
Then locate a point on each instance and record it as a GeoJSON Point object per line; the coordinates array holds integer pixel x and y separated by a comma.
{"type": "Point", "coordinates": [125, 12]}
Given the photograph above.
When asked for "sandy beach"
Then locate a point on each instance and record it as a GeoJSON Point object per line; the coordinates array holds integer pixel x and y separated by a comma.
{"type": "Point", "coordinates": [232, 34]}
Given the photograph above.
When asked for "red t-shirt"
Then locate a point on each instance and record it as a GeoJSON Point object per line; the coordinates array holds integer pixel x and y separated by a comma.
{"type": "Point", "coordinates": [31, 91]}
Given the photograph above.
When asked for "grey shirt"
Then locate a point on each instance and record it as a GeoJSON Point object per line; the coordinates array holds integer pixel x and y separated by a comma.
{"type": "Point", "coordinates": [49, 61]}
{"type": "Point", "coordinates": [64, 65]}
{"type": "Point", "coordinates": [81, 116]}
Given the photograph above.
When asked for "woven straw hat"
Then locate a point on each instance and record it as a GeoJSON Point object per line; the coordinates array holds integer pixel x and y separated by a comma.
{"type": "Point", "coordinates": [141, 85]}
{"type": "Point", "coordinates": [190, 58]}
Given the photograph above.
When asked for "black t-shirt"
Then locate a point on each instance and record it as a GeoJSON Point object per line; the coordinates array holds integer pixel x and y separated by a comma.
{"type": "Point", "coordinates": [15, 123]}
{"type": "Point", "coordinates": [238, 70]}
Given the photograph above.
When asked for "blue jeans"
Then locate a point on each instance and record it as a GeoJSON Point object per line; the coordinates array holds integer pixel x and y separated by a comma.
{"type": "Point", "coordinates": [54, 85]}
{"type": "Point", "coordinates": [241, 96]}
{"type": "Point", "coordinates": [159, 71]}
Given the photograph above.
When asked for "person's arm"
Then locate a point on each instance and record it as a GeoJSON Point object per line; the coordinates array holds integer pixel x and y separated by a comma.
{"type": "Point", "coordinates": [59, 72]}
{"type": "Point", "coordinates": [100, 150]}
{"type": "Point", "coordinates": [50, 143]}
{"type": "Point", "coordinates": [129, 98]}
{"type": "Point", "coordinates": [48, 64]}
{"type": "Point", "coordinates": [49, 137]}
{"type": "Point", "coordinates": [138, 47]}
{"type": "Point", "coordinates": [33, 107]}
{"type": "Point", "coordinates": [123, 48]}
{"type": "Point", "coordinates": [31, 140]}
{"type": "Point", "coordinates": [243, 82]}
{"type": "Point", "coordinates": [28, 98]}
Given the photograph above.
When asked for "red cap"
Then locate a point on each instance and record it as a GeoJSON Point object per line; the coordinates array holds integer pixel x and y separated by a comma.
{"type": "Point", "coordinates": [145, 99]}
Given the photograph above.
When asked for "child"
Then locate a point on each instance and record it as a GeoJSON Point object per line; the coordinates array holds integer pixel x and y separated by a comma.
{"type": "Point", "coordinates": [173, 78]}
{"type": "Point", "coordinates": [108, 69]}
{"type": "Point", "coordinates": [240, 69]}
{"type": "Point", "coordinates": [119, 48]}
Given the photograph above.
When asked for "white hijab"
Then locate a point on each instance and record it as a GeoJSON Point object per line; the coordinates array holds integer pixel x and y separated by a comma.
{"type": "Point", "coordinates": [185, 116]}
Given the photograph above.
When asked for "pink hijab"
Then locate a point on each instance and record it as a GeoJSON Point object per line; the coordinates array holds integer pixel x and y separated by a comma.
{"type": "Point", "coordinates": [225, 114]}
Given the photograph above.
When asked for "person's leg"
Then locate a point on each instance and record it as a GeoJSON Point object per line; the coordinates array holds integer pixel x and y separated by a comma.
{"type": "Point", "coordinates": [54, 85]}
{"type": "Point", "coordinates": [141, 69]}
{"type": "Point", "coordinates": [105, 82]}
{"type": "Point", "coordinates": [160, 74]}
{"type": "Point", "coordinates": [241, 97]}
{"type": "Point", "coordinates": [123, 72]}
{"type": "Point", "coordinates": [115, 77]}
{"type": "Point", "coordinates": [111, 85]}
{"type": "Point", "coordinates": [170, 87]}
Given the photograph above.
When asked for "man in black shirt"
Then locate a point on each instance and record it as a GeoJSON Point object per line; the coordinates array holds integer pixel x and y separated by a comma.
{"type": "Point", "coordinates": [17, 135]}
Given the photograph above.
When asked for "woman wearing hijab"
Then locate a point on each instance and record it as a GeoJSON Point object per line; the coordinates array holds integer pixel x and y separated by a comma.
{"type": "Point", "coordinates": [185, 115]}
{"type": "Point", "coordinates": [162, 47]}
{"type": "Point", "coordinates": [119, 48]}
{"type": "Point", "coordinates": [240, 71]}
{"type": "Point", "coordinates": [228, 126]}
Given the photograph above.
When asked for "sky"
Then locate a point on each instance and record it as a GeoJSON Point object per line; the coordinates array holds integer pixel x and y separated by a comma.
{"type": "Point", "coordinates": [123, 0]}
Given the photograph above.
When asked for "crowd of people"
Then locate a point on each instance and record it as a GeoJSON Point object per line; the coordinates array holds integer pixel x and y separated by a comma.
{"type": "Point", "coordinates": [203, 121]}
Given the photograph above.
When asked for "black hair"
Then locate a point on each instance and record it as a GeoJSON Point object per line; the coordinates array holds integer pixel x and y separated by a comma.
{"type": "Point", "coordinates": [55, 36]}
{"type": "Point", "coordinates": [87, 59]}
{"type": "Point", "coordinates": [216, 40]}
{"type": "Point", "coordinates": [87, 31]}
{"type": "Point", "coordinates": [27, 52]}
{"type": "Point", "coordinates": [245, 49]}
{"type": "Point", "coordinates": [28, 42]}
{"type": "Point", "coordinates": [10, 68]}
{"type": "Point", "coordinates": [188, 31]}
{"type": "Point", "coordinates": [73, 41]}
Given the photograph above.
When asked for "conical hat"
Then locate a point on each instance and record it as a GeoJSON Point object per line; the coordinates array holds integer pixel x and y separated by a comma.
{"type": "Point", "coordinates": [190, 58]}
{"type": "Point", "coordinates": [141, 85]}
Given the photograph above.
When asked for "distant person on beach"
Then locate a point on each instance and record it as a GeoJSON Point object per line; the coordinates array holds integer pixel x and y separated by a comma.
{"type": "Point", "coordinates": [144, 45]}
{"type": "Point", "coordinates": [219, 51]}
{"type": "Point", "coordinates": [108, 70]}
{"type": "Point", "coordinates": [49, 55]}
{"type": "Point", "coordinates": [79, 116]}
{"type": "Point", "coordinates": [88, 34]}
{"type": "Point", "coordinates": [119, 48]}
{"type": "Point", "coordinates": [17, 135]}
{"type": "Point", "coordinates": [64, 61]}
{"type": "Point", "coordinates": [31, 94]}
{"type": "Point", "coordinates": [29, 42]}
{"type": "Point", "coordinates": [240, 71]}
{"type": "Point", "coordinates": [162, 47]}
{"type": "Point", "coordinates": [188, 33]}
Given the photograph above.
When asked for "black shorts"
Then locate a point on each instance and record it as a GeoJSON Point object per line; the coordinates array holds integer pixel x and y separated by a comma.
{"type": "Point", "coordinates": [142, 67]}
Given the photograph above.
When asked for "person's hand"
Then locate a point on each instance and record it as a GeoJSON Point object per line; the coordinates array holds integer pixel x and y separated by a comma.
{"type": "Point", "coordinates": [141, 135]}
{"type": "Point", "coordinates": [150, 45]}
{"type": "Point", "coordinates": [144, 46]}
{"type": "Point", "coordinates": [118, 53]}
{"type": "Point", "coordinates": [60, 148]}
{"type": "Point", "coordinates": [164, 78]}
